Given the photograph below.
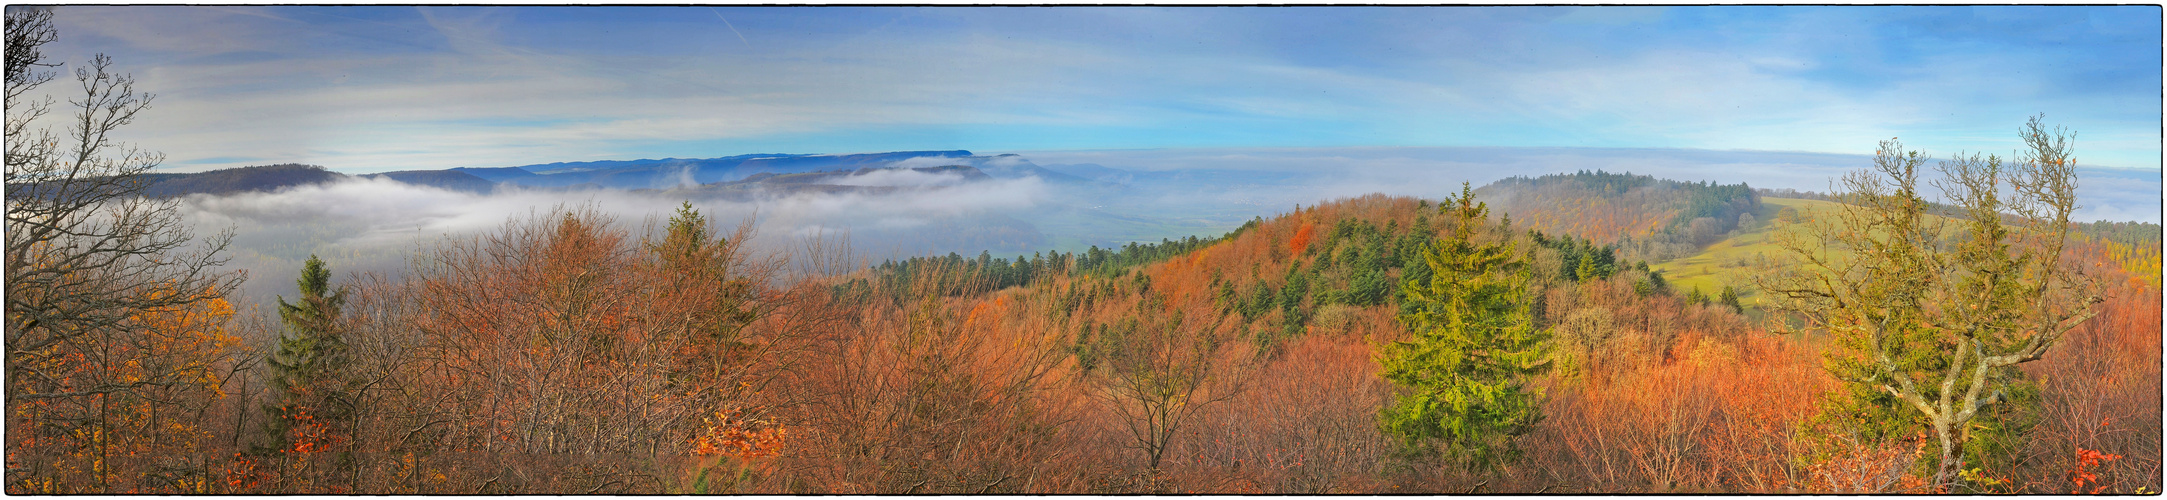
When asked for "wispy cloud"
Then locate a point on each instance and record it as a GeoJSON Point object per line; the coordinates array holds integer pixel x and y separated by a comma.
{"type": "Point", "coordinates": [383, 88]}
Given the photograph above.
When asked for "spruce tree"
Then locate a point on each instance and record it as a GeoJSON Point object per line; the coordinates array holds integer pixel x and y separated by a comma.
{"type": "Point", "coordinates": [1729, 298]}
{"type": "Point", "coordinates": [307, 371]}
{"type": "Point", "coordinates": [1465, 372]}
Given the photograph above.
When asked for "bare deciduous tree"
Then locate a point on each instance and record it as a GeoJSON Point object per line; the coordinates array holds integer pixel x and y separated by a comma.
{"type": "Point", "coordinates": [87, 257]}
{"type": "Point", "coordinates": [1160, 372]}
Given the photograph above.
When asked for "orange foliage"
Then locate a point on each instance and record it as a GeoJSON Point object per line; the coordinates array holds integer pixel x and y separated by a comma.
{"type": "Point", "coordinates": [107, 408]}
{"type": "Point", "coordinates": [2100, 390]}
{"type": "Point", "coordinates": [1301, 238]}
{"type": "Point", "coordinates": [730, 433]}
{"type": "Point", "coordinates": [2083, 475]}
{"type": "Point", "coordinates": [540, 357]}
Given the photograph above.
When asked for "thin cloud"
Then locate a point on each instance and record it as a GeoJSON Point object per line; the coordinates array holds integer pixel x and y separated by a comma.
{"type": "Point", "coordinates": [449, 87]}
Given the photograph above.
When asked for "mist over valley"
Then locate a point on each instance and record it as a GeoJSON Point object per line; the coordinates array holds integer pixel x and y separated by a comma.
{"type": "Point", "coordinates": [917, 203]}
{"type": "Point", "coordinates": [1108, 250]}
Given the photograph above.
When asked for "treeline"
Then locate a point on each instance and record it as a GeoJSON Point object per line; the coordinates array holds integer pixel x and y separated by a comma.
{"type": "Point", "coordinates": [987, 273]}
{"type": "Point", "coordinates": [2129, 233]}
{"type": "Point", "coordinates": [1793, 193]}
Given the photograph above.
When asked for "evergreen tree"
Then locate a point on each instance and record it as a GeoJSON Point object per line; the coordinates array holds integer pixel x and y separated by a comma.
{"type": "Point", "coordinates": [1587, 270]}
{"type": "Point", "coordinates": [1729, 297]}
{"type": "Point", "coordinates": [1475, 347]}
{"type": "Point", "coordinates": [1297, 288]}
{"type": "Point", "coordinates": [308, 370]}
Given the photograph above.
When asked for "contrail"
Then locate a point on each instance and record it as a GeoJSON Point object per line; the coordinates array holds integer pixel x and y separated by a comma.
{"type": "Point", "coordinates": [733, 29]}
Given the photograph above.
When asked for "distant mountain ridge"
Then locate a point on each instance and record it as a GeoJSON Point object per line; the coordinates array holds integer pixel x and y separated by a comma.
{"type": "Point", "coordinates": [447, 179]}
{"type": "Point", "coordinates": [765, 172]}
{"type": "Point", "coordinates": [237, 180]}
{"type": "Point", "coordinates": [268, 178]}
{"type": "Point", "coordinates": [762, 173]}
{"type": "Point", "coordinates": [676, 172]}
{"type": "Point", "coordinates": [684, 172]}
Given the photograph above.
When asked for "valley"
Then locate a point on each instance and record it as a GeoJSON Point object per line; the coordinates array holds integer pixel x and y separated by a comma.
{"type": "Point", "coordinates": [1573, 250]}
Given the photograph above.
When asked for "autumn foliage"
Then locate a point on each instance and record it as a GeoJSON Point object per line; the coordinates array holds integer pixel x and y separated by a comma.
{"type": "Point", "coordinates": [570, 353]}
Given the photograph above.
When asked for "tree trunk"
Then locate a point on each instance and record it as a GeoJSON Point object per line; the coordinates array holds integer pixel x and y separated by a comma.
{"type": "Point", "coordinates": [1943, 472]}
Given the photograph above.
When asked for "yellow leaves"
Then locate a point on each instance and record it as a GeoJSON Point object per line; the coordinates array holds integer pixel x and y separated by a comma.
{"type": "Point", "coordinates": [164, 363]}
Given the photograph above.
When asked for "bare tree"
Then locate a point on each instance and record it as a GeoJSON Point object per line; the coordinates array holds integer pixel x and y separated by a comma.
{"type": "Point", "coordinates": [87, 256]}
{"type": "Point", "coordinates": [1160, 372]}
{"type": "Point", "coordinates": [1935, 312]}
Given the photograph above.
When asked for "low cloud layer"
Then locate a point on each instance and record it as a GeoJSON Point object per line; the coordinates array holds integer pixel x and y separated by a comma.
{"type": "Point", "coordinates": [902, 177]}
{"type": "Point", "coordinates": [373, 224]}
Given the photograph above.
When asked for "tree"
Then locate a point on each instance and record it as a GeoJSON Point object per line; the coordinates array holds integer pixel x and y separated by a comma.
{"type": "Point", "coordinates": [87, 257]}
{"type": "Point", "coordinates": [1160, 371]}
{"type": "Point", "coordinates": [313, 396]}
{"type": "Point", "coordinates": [1929, 316]}
{"type": "Point", "coordinates": [709, 298]}
{"type": "Point", "coordinates": [1474, 348]}
{"type": "Point", "coordinates": [146, 439]}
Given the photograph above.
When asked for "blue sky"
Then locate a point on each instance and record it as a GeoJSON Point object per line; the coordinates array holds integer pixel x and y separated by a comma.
{"type": "Point", "coordinates": [370, 88]}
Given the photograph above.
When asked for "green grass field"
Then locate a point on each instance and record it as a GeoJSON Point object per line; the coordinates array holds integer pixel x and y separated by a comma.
{"type": "Point", "coordinates": [1735, 260]}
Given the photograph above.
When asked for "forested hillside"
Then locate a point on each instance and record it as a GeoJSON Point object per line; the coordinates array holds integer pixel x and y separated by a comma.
{"type": "Point", "coordinates": [571, 353]}
{"type": "Point", "coordinates": [559, 329]}
{"type": "Point", "coordinates": [1650, 219]}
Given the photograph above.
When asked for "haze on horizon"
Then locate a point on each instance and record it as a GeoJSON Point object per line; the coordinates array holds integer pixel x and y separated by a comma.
{"type": "Point", "coordinates": [1333, 101]}
{"type": "Point", "coordinates": [363, 89]}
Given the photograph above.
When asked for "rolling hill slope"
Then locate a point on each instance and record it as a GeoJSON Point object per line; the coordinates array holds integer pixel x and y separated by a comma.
{"type": "Point", "coordinates": [1735, 261]}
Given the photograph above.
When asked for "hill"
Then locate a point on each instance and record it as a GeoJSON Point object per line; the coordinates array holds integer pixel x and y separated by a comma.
{"type": "Point", "coordinates": [668, 173]}
{"type": "Point", "coordinates": [1733, 261]}
{"type": "Point", "coordinates": [1310, 294]}
{"type": "Point", "coordinates": [237, 180]}
{"type": "Point", "coordinates": [1648, 218]}
{"type": "Point", "coordinates": [446, 179]}
{"type": "Point", "coordinates": [267, 178]}
{"type": "Point", "coordinates": [2131, 248]}
{"type": "Point", "coordinates": [863, 180]}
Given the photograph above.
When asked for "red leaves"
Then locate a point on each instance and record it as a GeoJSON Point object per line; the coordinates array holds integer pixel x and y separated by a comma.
{"type": "Point", "coordinates": [2083, 474]}
{"type": "Point", "coordinates": [312, 436]}
{"type": "Point", "coordinates": [241, 475]}
{"type": "Point", "coordinates": [1302, 237]}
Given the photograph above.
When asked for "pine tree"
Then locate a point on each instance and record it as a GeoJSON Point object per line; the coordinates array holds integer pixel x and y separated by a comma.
{"type": "Point", "coordinates": [1474, 349]}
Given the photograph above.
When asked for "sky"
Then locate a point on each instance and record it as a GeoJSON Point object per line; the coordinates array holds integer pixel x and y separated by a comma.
{"type": "Point", "coordinates": [363, 89]}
